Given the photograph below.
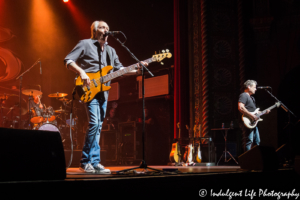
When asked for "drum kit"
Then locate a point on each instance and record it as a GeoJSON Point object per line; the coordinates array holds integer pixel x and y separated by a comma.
{"type": "Point", "coordinates": [37, 117]}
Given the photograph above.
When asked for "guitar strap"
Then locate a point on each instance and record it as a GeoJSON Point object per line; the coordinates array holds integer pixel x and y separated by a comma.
{"type": "Point", "coordinates": [253, 100]}
{"type": "Point", "coordinates": [108, 55]}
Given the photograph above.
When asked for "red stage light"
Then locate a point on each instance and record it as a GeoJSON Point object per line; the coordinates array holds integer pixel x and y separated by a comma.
{"type": "Point", "coordinates": [66, 1]}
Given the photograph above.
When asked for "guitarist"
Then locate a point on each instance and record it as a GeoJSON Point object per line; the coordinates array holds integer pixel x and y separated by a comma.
{"type": "Point", "coordinates": [246, 104]}
{"type": "Point", "coordinates": [90, 56]}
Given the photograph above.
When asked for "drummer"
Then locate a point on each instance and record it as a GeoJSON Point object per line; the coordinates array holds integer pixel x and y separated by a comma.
{"type": "Point", "coordinates": [36, 102]}
{"type": "Point", "coordinates": [37, 109]}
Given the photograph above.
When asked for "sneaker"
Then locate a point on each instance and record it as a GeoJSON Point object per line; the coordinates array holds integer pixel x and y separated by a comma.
{"type": "Point", "coordinates": [101, 170]}
{"type": "Point", "coordinates": [87, 168]}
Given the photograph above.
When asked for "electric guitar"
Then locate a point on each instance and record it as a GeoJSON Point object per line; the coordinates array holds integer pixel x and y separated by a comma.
{"type": "Point", "coordinates": [190, 148]}
{"type": "Point", "coordinates": [175, 155]}
{"type": "Point", "coordinates": [87, 93]}
{"type": "Point", "coordinates": [249, 123]}
{"type": "Point", "coordinates": [198, 157]}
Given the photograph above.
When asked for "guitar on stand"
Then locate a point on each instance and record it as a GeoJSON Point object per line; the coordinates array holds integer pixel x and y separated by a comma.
{"type": "Point", "coordinates": [198, 157]}
{"type": "Point", "coordinates": [175, 155]}
{"type": "Point", "coordinates": [190, 148]}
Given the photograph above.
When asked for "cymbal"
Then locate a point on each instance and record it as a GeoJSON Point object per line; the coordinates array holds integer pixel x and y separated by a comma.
{"type": "Point", "coordinates": [31, 92]}
{"type": "Point", "coordinates": [63, 99]}
{"type": "Point", "coordinates": [58, 95]}
{"type": "Point", "coordinates": [60, 111]}
{"type": "Point", "coordinates": [4, 96]}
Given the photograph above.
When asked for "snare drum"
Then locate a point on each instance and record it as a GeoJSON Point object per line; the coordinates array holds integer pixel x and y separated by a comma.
{"type": "Point", "coordinates": [37, 115]}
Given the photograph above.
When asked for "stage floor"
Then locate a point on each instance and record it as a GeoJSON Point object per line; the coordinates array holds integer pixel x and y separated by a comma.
{"type": "Point", "coordinates": [75, 173]}
{"type": "Point", "coordinates": [179, 181]}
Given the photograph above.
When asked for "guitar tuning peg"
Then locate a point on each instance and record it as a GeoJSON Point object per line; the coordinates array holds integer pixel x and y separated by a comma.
{"type": "Point", "coordinates": [155, 52]}
{"type": "Point", "coordinates": [167, 50]}
{"type": "Point", "coordinates": [163, 51]}
{"type": "Point", "coordinates": [161, 63]}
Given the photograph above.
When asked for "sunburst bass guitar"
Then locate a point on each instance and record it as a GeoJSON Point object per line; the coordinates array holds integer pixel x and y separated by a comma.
{"type": "Point", "coordinates": [175, 155]}
{"type": "Point", "coordinates": [87, 93]}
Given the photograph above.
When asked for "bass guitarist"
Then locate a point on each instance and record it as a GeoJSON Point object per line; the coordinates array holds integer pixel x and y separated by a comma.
{"type": "Point", "coordinates": [91, 56]}
{"type": "Point", "coordinates": [246, 105]}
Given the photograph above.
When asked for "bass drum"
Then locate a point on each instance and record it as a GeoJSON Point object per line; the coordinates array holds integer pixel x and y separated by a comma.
{"type": "Point", "coordinates": [48, 127]}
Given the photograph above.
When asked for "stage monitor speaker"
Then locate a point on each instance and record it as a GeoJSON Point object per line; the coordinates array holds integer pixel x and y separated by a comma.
{"type": "Point", "coordinates": [259, 158]}
{"type": "Point", "coordinates": [31, 155]}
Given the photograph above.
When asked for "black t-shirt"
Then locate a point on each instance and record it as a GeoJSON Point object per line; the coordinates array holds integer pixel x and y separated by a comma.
{"type": "Point", "coordinates": [249, 101]}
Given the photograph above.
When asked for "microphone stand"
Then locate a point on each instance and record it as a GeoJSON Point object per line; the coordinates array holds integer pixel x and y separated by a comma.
{"type": "Point", "coordinates": [143, 164]}
{"type": "Point", "coordinates": [20, 93]}
{"type": "Point", "coordinates": [286, 109]}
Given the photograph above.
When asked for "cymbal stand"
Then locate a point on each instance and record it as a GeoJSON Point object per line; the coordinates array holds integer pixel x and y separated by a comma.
{"type": "Point", "coordinates": [11, 111]}
{"type": "Point", "coordinates": [20, 100]}
{"type": "Point", "coordinates": [29, 110]}
{"type": "Point", "coordinates": [2, 117]}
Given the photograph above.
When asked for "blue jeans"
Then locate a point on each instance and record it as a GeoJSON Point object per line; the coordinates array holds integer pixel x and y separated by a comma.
{"type": "Point", "coordinates": [96, 110]}
{"type": "Point", "coordinates": [251, 137]}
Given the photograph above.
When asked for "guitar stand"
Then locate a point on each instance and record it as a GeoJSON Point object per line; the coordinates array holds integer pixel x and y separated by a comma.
{"type": "Point", "coordinates": [225, 150]}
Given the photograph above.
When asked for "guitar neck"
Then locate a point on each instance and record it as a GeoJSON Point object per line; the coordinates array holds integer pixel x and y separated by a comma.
{"type": "Point", "coordinates": [264, 111]}
{"type": "Point", "coordinates": [118, 73]}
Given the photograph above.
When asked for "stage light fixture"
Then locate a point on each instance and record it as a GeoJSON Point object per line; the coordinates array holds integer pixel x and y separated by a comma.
{"type": "Point", "coordinates": [66, 1]}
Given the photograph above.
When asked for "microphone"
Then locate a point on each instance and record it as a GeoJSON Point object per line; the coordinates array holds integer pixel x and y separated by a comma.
{"type": "Point", "coordinates": [263, 87]}
{"type": "Point", "coordinates": [40, 67]}
{"type": "Point", "coordinates": [113, 33]}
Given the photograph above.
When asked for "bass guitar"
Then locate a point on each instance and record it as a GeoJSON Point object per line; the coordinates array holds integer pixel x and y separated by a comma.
{"type": "Point", "coordinates": [249, 123]}
{"type": "Point", "coordinates": [87, 93]}
{"type": "Point", "coordinates": [175, 155]}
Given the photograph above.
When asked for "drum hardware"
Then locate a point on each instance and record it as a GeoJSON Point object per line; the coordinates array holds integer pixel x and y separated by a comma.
{"type": "Point", "coordinates": [3, 97]}
{"type": "Point", "coordinates": [49, 115]}
{"type": "Point", "coordinates": [74, 122]}
{"type": "Point", "coordinates": [12, 102]}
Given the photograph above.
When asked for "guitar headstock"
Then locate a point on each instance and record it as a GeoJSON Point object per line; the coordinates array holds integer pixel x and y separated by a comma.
{"type": "Point", "coordinates": [197, 130]}
{"type": "Point", "coordinates": [159, 57]}
{"type": "Point", "coordinates": [187, 127]}
{"type": "Point", "coordinates": [178, 125]}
